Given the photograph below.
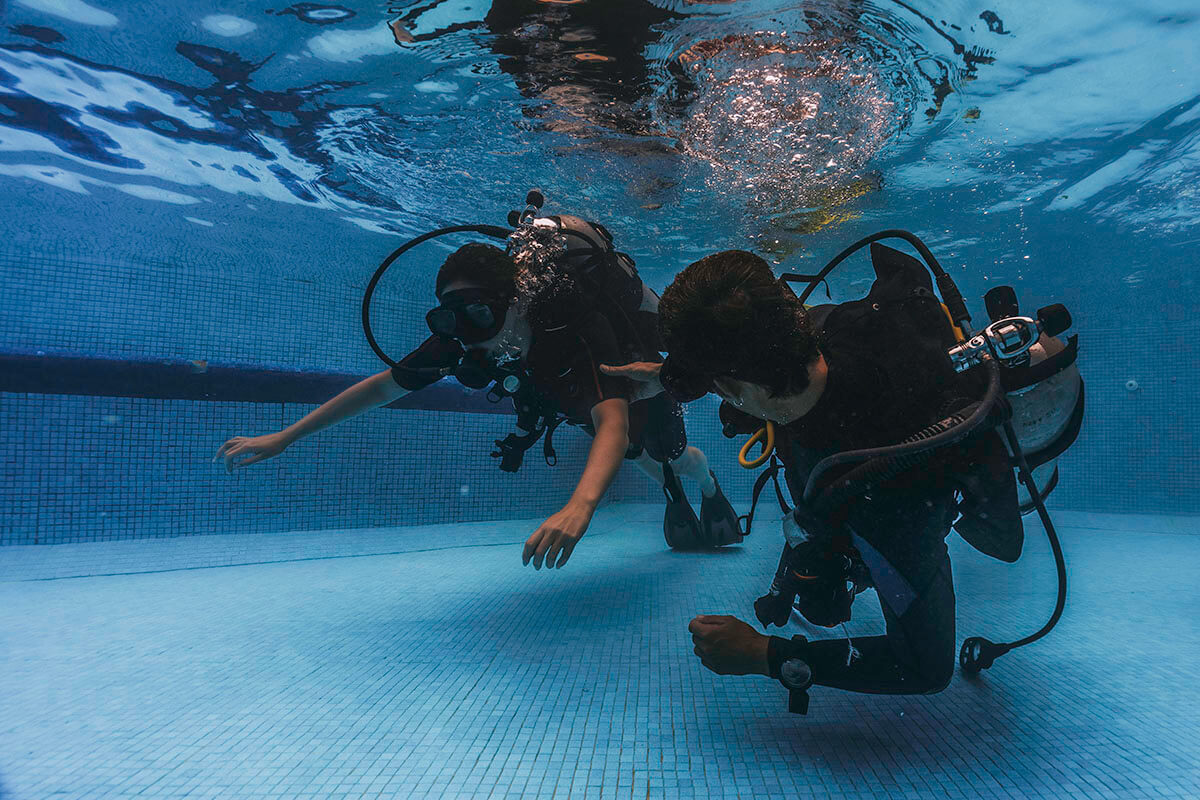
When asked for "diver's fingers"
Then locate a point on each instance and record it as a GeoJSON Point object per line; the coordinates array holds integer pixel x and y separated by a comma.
{"type": "Point", "coordinates": [233, 455]}
{"type": "Point", "coordinates": [644, 371]}
{"type": "Point", "coordinates": [226, 446]}
{"type": "Point", "coordinates": [230, 454]}
{"type": "Point", "coordinates": [568, 551]}
{"type": "Point", "coordinates": [536, 541]}
{"type": "Point", "coordinates": [254, 459]}
{"type": "Point", "coordinates": [568, 547]}
{"type": "Point", "coordinates": [553, 551]}
{"type": "Point", "coordinates": [544, 545]}
{"type": "Point", "coordinates": [638, 371]}
{"type": "Point", "coordinates": [530, 546]}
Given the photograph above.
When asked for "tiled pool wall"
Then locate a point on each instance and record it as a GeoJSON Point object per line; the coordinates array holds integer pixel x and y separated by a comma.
{"type": "Point", "coordinates": [78, 468]}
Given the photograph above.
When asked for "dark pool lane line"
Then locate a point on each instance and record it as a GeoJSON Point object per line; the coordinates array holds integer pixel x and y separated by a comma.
{"type": "Point", "coordinates": [39, 372]}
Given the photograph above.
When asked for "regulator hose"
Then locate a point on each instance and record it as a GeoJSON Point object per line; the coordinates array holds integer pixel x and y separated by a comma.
{"type": "Point", "coordinates": [885, 462]}
{"type": "Point", "coordinates": [978, 653]}
{"type": "Point", "coordinates": [495, 231]}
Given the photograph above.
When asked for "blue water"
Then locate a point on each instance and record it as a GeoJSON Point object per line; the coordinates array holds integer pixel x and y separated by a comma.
{"type": "Point", "coordinates": [216, 182]}
{"type": "Point", "coordinates": [981, 124]}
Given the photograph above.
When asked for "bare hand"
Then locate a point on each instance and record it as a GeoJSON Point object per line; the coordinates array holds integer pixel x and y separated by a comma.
{"type": "Point", "coordinates": [728, 646]}
{"type": "Point", "coordinates": [556, 538]}
{"type": "Point", "coordinates": [644, 375]}
{"type": "Point", "coordinates": [251, 450]}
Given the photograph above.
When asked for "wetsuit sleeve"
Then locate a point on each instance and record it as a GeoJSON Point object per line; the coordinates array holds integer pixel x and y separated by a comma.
{"type": "Point", "coordinates": [425, 365]}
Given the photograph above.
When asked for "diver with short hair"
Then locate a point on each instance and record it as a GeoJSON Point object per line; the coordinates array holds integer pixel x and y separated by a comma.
{"type": "Point", "coordinates": [858, 376]}
{"type": "Point", "coordinates": [542, 337]}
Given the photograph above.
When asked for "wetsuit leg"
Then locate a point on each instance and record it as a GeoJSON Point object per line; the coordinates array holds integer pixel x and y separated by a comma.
{"type": "Point", "coordinates": [917, 654]}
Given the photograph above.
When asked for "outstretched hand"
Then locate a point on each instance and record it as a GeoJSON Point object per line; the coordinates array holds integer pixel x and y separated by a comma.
{"type": "Point", "coordinates": [250, 450]}
{"type": "Point", "coordinates": [555, 539]}
{"type": "Point", "coordinates": [644, 374]}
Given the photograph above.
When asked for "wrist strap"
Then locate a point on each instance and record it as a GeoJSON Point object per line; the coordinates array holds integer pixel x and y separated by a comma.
{"type": "Point", "coordinates": [780, 650]}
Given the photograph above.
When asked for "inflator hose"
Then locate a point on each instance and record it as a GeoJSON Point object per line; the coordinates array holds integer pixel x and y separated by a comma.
{"type": "Point", "coordinates": [884, 462]}
{"type": "Point", "coordinates": [978, 653]}
{"type": "Point", "coordinates": [765, 435]}
{"type": "Point", "coordinates": [495, 231]}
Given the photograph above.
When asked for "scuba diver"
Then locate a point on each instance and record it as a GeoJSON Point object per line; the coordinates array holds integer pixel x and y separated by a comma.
{"type": "Point", "coordinates": [838, 386]}
{"type": "Point", "coordinates": [538, 320]}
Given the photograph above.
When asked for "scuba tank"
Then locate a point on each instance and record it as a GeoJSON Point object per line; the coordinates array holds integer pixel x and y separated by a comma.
{"type": "Point", "coordinates": [1045, 392]}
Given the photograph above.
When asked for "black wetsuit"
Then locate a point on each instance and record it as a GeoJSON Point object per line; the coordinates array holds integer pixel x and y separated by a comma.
{"type": "Point", "coordinates": [888, 378]}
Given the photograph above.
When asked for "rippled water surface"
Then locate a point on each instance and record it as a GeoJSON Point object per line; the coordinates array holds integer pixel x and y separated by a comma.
{"type": "Point", "coordinates": [686, 126]}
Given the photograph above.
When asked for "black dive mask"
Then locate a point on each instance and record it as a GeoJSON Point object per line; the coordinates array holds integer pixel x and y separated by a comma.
{"type": "Point", "coordinates": [469, 315]}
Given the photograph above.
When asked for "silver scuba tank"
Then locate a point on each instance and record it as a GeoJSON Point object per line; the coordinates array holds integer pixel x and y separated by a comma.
{"type": "Point", "coordinates": [1045, 397]}
{"type": "Point", "coordinates": [1043, 412]}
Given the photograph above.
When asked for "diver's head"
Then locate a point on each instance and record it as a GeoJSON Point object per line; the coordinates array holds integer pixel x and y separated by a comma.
{"type": "Point", "coordinates": [475, 288]}
{"type": "Point", "coordinates": [731, 327]}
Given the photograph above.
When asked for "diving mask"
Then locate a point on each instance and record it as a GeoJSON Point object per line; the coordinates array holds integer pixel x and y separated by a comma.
{"type": "Point", "coordinates": [469, 315]}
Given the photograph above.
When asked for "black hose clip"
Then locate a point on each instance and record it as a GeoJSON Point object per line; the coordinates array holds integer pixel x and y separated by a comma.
{"type": "Point", "coordinates": [510, 452]}
{"type": "Point", "coordinates": [511, 449]}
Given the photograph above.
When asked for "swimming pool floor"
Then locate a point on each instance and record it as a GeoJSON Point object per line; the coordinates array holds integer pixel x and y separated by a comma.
{"type": "Point", "coordinates": [426, 662]}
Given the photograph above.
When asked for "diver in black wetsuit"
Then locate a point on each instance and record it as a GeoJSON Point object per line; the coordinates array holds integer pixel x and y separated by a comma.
{"type": "Point", "coordinates": [867, 373]}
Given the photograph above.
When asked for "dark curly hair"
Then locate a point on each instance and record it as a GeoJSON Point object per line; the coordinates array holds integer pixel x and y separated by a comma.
{"type": "Point", "coordinates": [481, 264]}
{"type": "Point", "coordinates": [727, 314]}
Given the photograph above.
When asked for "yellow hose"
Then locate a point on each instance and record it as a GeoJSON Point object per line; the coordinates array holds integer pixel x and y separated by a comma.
{"type": "Point", "coordinates": [958, 334]}
{"type": "Point", "coordinates": [766, 435]}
